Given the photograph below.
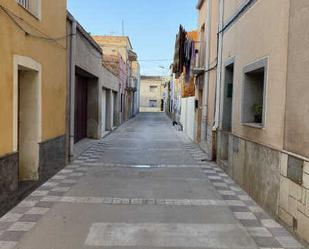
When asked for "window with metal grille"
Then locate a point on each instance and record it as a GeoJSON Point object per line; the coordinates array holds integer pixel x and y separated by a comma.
{"type": "Point", "coordinates": [153, 103]}
{"type": "Point", "coordinates": [32, 6]}
{"type": "Point", "coordinates": [24, 3]}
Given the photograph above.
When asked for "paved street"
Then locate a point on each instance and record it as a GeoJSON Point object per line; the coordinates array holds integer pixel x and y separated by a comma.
{"type": "Point", "coordinates": [144, 186]}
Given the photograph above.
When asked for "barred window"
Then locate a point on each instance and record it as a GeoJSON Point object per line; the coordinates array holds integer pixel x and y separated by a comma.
{"type": "Point", "coordinates": [24, 3]}
{"type": "Point", "coordinates": [32, 6]}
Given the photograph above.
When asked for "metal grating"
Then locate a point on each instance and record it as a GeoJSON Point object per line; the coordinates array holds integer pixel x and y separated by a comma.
{"type": "Point", "coordinates": [24, 3]}
{"type": "Point", "coordinates": [295, 169]}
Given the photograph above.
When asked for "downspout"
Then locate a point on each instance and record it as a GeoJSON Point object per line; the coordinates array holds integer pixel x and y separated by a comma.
{"type": "Point", "coordinates": [206, 76]}
{"type": "Point", "coordinates": [221, 29]}
{"type": "Point", "coordinates": [72, 87]}
{"type": "Point", "coordinates": [219, 91]}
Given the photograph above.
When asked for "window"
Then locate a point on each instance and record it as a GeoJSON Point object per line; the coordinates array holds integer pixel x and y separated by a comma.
{"type": "Point", "coordinates": [253, 101]}
{"type": "Point", "coordinates": [202, 47]}
{"type": "Point", "coordinates": [153, 89]}
{"type": "Point", "coordinates": [228, 97]}
{"type": "Point", "coordinates": [295, 170]}
{"type": "Point", "coordinates": [153, 103]}
{"type": "Point", "coordinates": [33, 6]}
{"type": "Point", "coordinates": [24, 3]}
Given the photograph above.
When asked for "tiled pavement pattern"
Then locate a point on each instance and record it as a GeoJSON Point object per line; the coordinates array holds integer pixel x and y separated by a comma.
{"type": "Point", "coordinates": [266, 232]}
{"type": "Point", "coordinates": [16, 224]}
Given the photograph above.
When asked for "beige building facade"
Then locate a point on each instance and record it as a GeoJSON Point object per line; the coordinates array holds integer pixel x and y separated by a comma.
{"type": "Point", "coordinates": [85, 80]}
{"type": "Point", "coordinates": [129, 77]}
{"type": "Point", "coordinates": [263, 133]}
{"type": "Point", "coordinates": [206, 74]}
{"type": "Point", "coordinates": [151, 94]}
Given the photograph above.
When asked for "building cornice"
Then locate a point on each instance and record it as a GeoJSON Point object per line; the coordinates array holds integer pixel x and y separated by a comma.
{"type": "Point", "coordinates": [85, 34]}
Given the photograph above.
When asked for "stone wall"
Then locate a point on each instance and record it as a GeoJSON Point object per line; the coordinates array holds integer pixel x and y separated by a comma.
{"type": "Point", "coordinates": [8, 177]}
{"type": "Point", "coordinates": [294, 198]}
{"type": "Point", "coordinates": [256, 169]}
{"type": "Point", "coordinates": [52, 157]}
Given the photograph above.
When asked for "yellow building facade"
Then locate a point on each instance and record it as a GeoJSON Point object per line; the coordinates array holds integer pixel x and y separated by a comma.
{"type": "Point", "coordinates": [33, 89]}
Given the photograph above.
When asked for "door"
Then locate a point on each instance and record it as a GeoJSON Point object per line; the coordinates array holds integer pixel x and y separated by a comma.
{"type": "Point", "coordinates": [199, 116]}
{"type": "Point", "coordinates": [227, 113]}
{"type": "Point", "coordinates": [103, 121]}
{"type": "Point", "coordinates": [115, 97]}
{"type": "Point", "coordinates": [80, 108]}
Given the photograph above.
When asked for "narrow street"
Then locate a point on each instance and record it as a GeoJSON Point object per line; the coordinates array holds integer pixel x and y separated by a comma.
{"type": "Point", "coordinates": [144, 186]}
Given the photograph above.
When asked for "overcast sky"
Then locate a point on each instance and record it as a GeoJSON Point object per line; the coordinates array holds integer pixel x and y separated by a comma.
{"type": "Point", "coordinates": [151, 25]}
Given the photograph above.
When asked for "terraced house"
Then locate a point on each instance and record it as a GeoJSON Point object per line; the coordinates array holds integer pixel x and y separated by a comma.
{"type": "Point", "coordinates": [33, 92]}
{"type": "Point", "coordinates": [251, 99]}
{"type": "Point", "coordinates": [129, 77]}
{"type": "Point", "coordinates": [263, 132]}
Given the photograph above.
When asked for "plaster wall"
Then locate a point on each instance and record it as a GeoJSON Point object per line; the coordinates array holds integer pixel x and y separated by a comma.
{"type": "Point", "coordinates": [109, 80]}
{"type": "Point", "coordinates": [146, 95]}
{"type": "Point", "coordinates": [248, 41]}
{"type": "Point", "coordinates": [297, 103]}
{"type": "Point", "coordinates": [50, 55]}
{"type": "Point", "coordinates": [187, 116]}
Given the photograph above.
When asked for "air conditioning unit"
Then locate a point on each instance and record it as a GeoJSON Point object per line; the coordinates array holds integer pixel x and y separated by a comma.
{"type": "Point", "coordinates": [198, 71]}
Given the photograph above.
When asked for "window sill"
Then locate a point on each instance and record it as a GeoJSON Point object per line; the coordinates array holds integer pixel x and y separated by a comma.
{"type": "Point", "coordinates": [254, 125]}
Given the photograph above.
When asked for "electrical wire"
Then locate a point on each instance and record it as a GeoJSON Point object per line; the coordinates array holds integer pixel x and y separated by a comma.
{"type": "Point", "coordinates": [156, 60]}
{"type": "Point", "coordinates": [43, 36]}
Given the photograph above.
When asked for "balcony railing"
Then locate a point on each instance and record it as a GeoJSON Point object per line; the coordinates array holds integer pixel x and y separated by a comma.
{"type": "Point", "coordinates": [24, 3]}
{"type": "Point", "coordinates": [32, 6]}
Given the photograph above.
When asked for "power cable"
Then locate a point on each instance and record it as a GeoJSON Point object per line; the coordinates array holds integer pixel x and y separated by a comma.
{"type": "Point", "coordinates": [14, 18]}
{"type": "Point", "coordinates": [156, 60]}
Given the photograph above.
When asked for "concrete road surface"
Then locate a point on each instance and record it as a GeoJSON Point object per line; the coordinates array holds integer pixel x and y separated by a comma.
{"type": "Point", "coordinates": [145, 186]}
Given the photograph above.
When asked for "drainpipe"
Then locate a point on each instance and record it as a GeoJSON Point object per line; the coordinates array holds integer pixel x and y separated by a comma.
{"type": "Point", "coordinates": [72, 87]}
{"type": "Point", "coordinates": [206, 76]}
{"type": "Point", "coordinates": [219, 90]}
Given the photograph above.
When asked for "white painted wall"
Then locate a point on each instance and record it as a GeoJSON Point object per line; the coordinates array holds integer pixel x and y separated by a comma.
{"type": "Point", "coordinates": [187, 116]}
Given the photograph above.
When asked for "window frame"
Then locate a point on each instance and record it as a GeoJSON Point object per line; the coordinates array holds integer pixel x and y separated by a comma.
{"type": "Point", "coordinates": [35, 12]}
{"type": "Point", "coordinates": [154, 101]}
{"type": "Point", "coordinates": [154, 87]}
{"type": "Point", "coordinates": [254, 66]}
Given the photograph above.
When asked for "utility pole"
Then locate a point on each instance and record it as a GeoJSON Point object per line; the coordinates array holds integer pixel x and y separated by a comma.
{"type": "Point", "coordinates": [122, 27]}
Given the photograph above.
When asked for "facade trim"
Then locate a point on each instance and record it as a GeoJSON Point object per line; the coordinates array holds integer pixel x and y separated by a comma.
{"type": "Point", "coordinates": [27, 62]}
{"type": "Point", "coordinates": [229, 61]}
{"type": "Point", "coordinates": [261, 63]}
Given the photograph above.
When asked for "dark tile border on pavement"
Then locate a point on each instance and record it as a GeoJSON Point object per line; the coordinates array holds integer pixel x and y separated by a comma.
{"type": "Point", "coordinates": [266, 232]}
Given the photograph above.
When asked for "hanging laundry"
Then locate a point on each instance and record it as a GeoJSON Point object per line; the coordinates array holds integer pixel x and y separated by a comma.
{"type": "Point", "coordinates": [179, 57]}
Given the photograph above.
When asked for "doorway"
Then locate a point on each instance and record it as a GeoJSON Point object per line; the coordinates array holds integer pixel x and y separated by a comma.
{"type": "Point", "coordinates": [227, 111]}
{"type": "Point", "coordinates": [28, 123]}
{"type": "Point", "coordinates": [103, 112]}
{"type": "Point", "coordinates": [81, 114]}
{"type": "Point", "coordinates": [115, 109]}
{"type": "Point", "coordinates": [199, 116]}
{"type": "Point", "coordinates": [108, 111]}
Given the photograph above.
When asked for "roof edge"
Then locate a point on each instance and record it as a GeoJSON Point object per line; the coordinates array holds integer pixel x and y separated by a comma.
{"type": "Point", "coordinates": [82, 30]}
{"type": "Point", "coordinates": [199, 4]}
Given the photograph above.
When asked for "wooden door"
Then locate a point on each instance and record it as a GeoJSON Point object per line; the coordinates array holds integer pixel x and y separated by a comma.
{"type": "Point", "coordinates": [80, 108]}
